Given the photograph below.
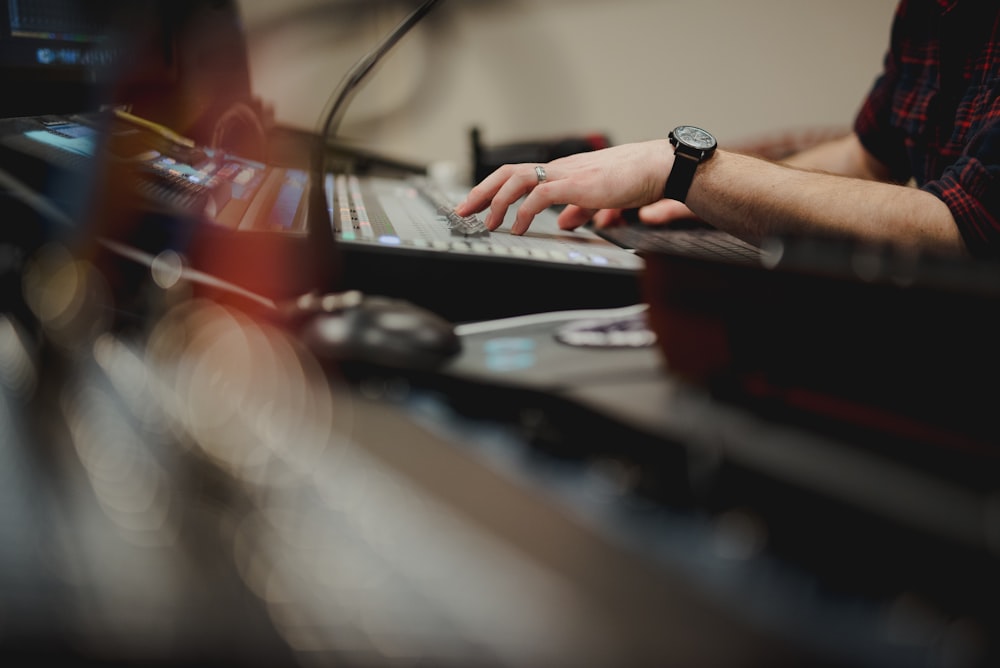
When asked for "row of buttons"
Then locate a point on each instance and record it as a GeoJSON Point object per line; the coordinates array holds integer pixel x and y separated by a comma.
{"type": "Point", "coordinates": [479, 247]}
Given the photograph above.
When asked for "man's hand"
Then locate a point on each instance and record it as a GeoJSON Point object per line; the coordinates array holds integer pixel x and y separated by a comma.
{"type": "Point", "coordinates": [630, 175]}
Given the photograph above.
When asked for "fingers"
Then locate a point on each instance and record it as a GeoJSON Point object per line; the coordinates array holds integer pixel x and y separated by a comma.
{"type": "Point", "coordinates": [664, 211]}
{"type": "Point", "coordinates": [623, 176]}
{"type": "Point", "coordinates": [482, 194]}
{"type": "Point", "coordinates": [574, 216]}
{"type": "Point", "coordinates": [501, 189]}
{"type": "Point", "coordinates": [522, 181]}
{"type": "Point", "coordinates": [608, 217]}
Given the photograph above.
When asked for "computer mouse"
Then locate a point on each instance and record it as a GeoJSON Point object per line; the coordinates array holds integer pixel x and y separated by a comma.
{"type": "Point", "coordinates": [354, 327]}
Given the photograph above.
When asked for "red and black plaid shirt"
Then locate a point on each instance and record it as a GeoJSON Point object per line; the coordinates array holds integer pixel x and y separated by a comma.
{"type": "Point", "coordinates": [933, 114]}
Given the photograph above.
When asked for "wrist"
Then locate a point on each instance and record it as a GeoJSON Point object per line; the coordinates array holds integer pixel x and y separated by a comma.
{"type": "Point", "coordinates": [691, 147]}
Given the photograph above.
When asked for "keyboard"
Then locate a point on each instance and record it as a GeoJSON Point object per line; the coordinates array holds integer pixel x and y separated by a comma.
{"type": "Point", "coordinates": [418, 215]}
{"type": "Point", "coordinates": [703, 243]}
{"type": "Point", "coordinates": [400, 237]}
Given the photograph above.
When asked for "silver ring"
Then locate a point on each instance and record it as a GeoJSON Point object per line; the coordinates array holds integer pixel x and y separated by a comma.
{"type": "Point", "coordinates": [540, 173]}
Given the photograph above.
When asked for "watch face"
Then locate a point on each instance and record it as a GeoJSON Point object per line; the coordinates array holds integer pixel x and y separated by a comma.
{"type": "Point", "coordinates": [694, 137]}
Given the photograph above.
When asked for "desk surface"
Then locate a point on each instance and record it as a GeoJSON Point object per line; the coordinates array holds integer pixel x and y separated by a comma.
{"type": "Point", "coordinates": [209, 493]}
{"type": "Point", "coordinates": [830, 509]}
{"type": "Point", "coordinates": [162, 505]}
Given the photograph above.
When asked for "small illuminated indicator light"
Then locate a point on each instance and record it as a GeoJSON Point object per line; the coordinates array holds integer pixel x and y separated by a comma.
{"type": "Point", "coordinates": [389, 239]}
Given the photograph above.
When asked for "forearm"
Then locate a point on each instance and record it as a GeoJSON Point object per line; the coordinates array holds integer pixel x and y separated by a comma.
{"type": "Point", "coordinates": [754, 198]}
{"type": "Point", "coordinates": [844, 155]}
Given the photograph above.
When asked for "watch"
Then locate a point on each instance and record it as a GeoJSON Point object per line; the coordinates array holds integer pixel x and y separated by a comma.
{"type": "Point", "coordinates": [692, 146]}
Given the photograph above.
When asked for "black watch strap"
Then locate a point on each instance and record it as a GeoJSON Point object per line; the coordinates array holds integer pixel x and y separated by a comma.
{"type": "Point", "coordinates": [681, 176]}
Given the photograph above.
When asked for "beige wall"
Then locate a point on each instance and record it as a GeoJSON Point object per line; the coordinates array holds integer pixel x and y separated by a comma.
{"type": "Point", "coordinates": [533, 68]}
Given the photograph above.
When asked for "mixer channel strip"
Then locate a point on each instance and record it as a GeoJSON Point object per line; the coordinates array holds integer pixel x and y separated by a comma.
{"type": "Point", "coordinates": [370, 226]}
{"type": "Point", "coordinates": [356, 222]}
{"type": "Point", "coordinates": [353, 219]}
{"type": "Point", "coordinates": [466, 226]}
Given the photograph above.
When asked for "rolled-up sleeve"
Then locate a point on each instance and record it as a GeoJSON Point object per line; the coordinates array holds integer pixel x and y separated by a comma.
{"type": "Point", "coordinates": [970, 188]}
